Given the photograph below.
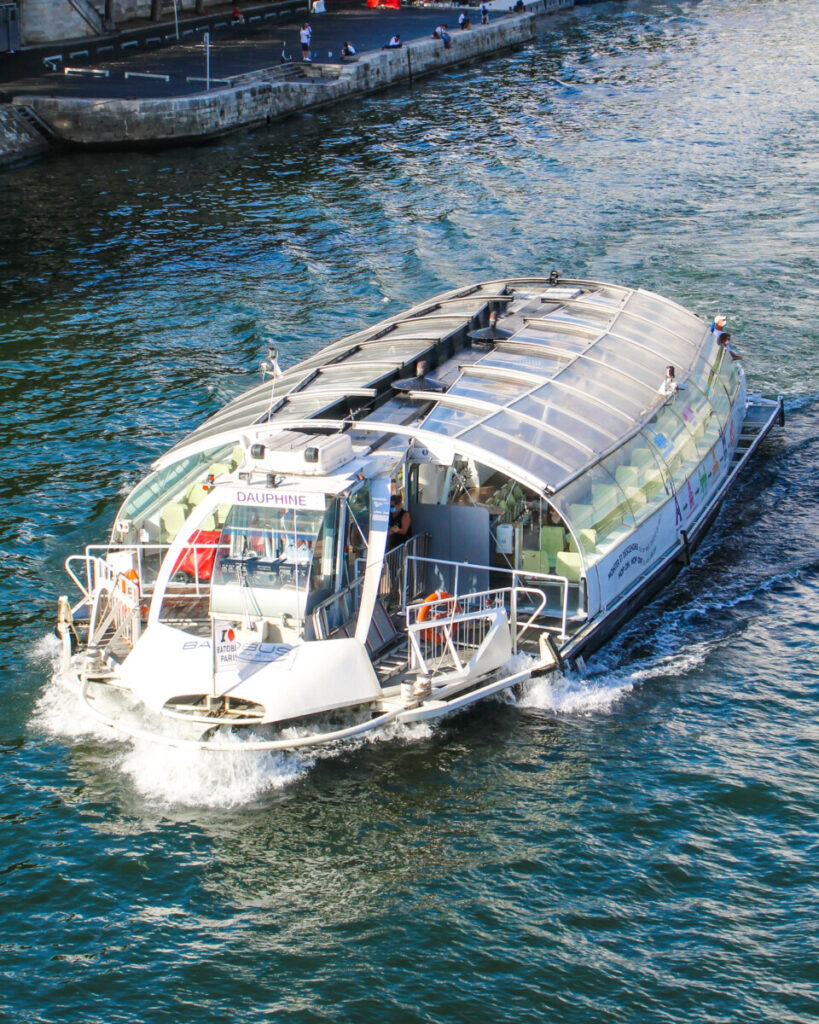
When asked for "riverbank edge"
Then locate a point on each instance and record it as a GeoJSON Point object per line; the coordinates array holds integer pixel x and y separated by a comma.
{"type": "Point", "coordinates": [261, 98]}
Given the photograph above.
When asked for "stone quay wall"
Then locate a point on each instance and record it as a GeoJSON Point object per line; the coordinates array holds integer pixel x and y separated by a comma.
{"type": "Point", "coordinates": [265, 96]}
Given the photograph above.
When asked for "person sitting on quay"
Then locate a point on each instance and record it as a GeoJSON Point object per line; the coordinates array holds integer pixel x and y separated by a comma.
{"type": "Point", "coordinates": [237, 18]}
{"type": "Point", "coordinates": [442, 34]}
{"type": "Point", "coordinates": [463, 20]}
{"type": "Point", "coordinates": [393, 44]}
{"type": "Point", "coordinates": [347, 51]}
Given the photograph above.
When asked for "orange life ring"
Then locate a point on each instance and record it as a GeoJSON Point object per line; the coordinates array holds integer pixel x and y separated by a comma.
{"type": "Point", "coordinates": [431, 633]}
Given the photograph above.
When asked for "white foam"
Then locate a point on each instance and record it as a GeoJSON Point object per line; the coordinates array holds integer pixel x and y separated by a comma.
{"type": "Point", "coordinates": [570, 693]}
{"type": "Point", "coordinates": [183, 775]}
{"type": "Point", "coordinates": [202, 778]}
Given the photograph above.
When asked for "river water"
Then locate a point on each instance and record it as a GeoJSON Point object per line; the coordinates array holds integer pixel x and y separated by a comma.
{"type": "Point", "coordinates": [638, 843]}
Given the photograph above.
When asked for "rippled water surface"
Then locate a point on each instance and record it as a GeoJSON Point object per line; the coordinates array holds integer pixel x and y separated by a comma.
{"type": "Point", "coordinates": [638, 844]}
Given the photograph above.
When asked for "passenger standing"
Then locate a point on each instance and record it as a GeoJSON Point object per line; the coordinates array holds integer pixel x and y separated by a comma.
{"type": "Point", "coordinates": [305, 35]}
{"type": "Point", "coordinates": [400, 523]}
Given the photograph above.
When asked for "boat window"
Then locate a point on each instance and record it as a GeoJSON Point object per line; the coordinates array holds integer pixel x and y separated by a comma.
{"type": "Point", "coordinates": [172, 482]}
{"type": "Point", "coordinates": [264, 559]}
{"type": "Point", "coordinates": [535, 334]}
{"type": "Point", "coordinates": [560, 449]}
{"type": "Point", "coordinates": [641, 475]}
{"type": "Point", "coordinates": [674, 442]}
{"type": "Point", "coordinates": [357, 529]}
{"type": "Point", "coordinates": [728, 375]}
{"type": "Point", "coordinates": [699, 414]}
{"type": "Point", "coordinates": [598, 510]}
{"type": "Point", "coordinates": [540, 365]}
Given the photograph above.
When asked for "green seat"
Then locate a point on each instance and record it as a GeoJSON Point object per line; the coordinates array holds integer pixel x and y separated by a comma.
{"type": "Point", "coordinates": [552, 540]}
{"type": "Point", "coordinates": [581, 516]}
{"type": "Point", "coordinates": [171, 520]}
{"type": "Point", "coordinates": [588, 541]}
{"type": "Point", "coordinates": [627, 476]}
{"type": "Point", "coordinates": [217, 469]}
{"type": "Point", "coordinates": [605, 500]}
{"type": "Point", "coordinates": [208, 523]}
{"type": "Point", "coordinates": [653, 485]}
{"type": "Point", "coordinates": [195, 493]}
{"type": "Point", "coordinates": [237, 457]}
{"type": "Point", "coordinates": [636, 497]}
{"type": "Point", "coordinates": [535, 561]}
{"type": "Point", "coordinates": [569, 564]}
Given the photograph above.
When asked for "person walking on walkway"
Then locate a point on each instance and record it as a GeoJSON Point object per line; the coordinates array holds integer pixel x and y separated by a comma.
{"type": "Point", "coordinates": [305, 35]}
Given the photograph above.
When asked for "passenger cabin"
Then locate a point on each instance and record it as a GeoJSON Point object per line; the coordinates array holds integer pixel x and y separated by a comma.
{"type": "Point", "coordinates": [522, 422]}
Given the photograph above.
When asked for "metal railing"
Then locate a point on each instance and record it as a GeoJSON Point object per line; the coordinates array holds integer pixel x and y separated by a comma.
{"type": "Point", "coordinates": [518, 580]}
{"type": "Point", "coordinates": [446, 632]}
{"type": "Point", "coordinates": [401, 580]}
{"type": "Point", "coordinates": [115, 607]}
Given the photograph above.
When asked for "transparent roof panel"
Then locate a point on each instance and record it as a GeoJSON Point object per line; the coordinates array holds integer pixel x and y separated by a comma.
{"type": "Point", "coordinates": [561, 450]}
{"type": "Point", "coordinates": [568, 421]}
{"type": "Point", "coordinates": [580, 317]}
{"type": "Point", "coordinates": [542, 366]}
{"type": "Point", "coordinates": [658, 340]}
{"type": "Point", "coordinates": [451, 421]}
{"type": "Point", "coordinates": [533, 334]}
{"type": "Point", "coordinates": [666, 314]}
{"type": "Point", "coordinates": [382, 351]}
{"type": "Point", "coordinates": [647, 367]}
{"type": "Point", "coordinates": [512, 450]}
{"type": "Point", "coordinates": [498, 391]}
{"type": "Point", "coordinates": [616, 389]}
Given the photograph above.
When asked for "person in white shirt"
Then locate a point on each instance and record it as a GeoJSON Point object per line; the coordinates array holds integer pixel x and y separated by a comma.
{"type": "Point", "coordinates": [669, 386]}
{"type": "Point", "coordinates": [305, 35]}
{"type": "Point", "coordinates": [347, 50]}
{"type": "Point", "coordinates": [394, 43]}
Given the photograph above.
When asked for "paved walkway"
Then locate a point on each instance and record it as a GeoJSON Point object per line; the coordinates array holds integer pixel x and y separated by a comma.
{"type": "Point", "coordinates": [234, 50]}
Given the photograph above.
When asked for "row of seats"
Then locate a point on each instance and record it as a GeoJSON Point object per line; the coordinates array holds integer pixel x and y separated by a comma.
{"type": "Point", "coordinates": [551, 556]}
{"type": "Point", "coordinates": [174, 513]}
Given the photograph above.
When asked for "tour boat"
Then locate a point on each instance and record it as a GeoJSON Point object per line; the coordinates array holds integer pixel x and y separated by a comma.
{"type": "Point", "coordinates": [551, 473]}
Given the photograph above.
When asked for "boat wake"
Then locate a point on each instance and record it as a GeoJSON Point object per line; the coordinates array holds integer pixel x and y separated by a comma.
{"type": "Point", "coordinates": [186, 776]}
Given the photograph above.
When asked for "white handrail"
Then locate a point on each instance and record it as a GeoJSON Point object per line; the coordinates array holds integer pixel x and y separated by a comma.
{"type": "Point", "coordinates": [516, 574]}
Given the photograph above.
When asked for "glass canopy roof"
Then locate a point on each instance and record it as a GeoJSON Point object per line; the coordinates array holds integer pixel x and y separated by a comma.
{"type": "Point", "coordinates": [574, 371]}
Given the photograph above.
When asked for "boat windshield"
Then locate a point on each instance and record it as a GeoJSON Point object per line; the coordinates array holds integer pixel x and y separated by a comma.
{"type": "Point", "coordinates": [269, 560]}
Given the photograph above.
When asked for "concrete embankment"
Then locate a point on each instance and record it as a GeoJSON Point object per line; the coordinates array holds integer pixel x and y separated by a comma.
{"type": "Point", "coordinates": [266, 96]}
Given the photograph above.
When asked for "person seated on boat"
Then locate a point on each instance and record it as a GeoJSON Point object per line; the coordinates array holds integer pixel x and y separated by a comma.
{"type": "Point", "coordinates": [296, 550]}
{"type": "Point", "coordinates": [718, 324]}
{"type": "Point", "coordinates": [394, 43]}
{"type": "Point", "coordinates": [724, 342]}
{"type": "Point", "coordinates": [669, 385]}
{"type": "Point", "coordinates": [400, 523]}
